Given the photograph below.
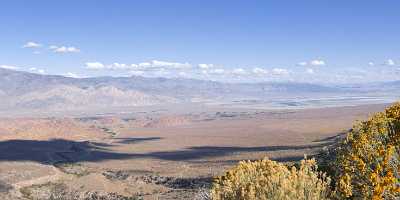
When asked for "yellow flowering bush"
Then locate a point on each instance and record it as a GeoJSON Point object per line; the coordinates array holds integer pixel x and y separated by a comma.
{"type": "Point", "coordinates": [367, 161]}
{"type": "Point", "coordinates": [266, 179]}
{"type": "Point", "coordinates": [364, 165]}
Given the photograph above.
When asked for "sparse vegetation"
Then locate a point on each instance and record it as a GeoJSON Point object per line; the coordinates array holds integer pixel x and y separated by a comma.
{"type": "Point", "coordinates": [76, 169]}
{"type": "Point", "coordinates": [59, 191]}
{"type": "Point", "coordinates": [109, 131]}
{"type": "Point", "coordinates": [170, 182]}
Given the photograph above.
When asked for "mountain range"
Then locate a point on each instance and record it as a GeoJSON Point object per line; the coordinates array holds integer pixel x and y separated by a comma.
{"type": "Point", "coordinates": [29, 91]}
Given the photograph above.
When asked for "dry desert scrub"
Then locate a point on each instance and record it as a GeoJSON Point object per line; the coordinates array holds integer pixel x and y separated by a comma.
{"type": "Point", "coordinates": [266, 179]}
{"type": "Point", "coordinates": [366, 165]}
{"type": "Point", "coordinates": [367, 161]}
{"type": "Point", "coordinates": [363, 165]}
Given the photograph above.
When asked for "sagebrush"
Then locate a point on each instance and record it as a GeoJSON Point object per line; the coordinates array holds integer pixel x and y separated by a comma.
{"type": "Point", "coordinates": [266, 179]}
{"type": "Point", "coordinates": [363, 165]}
{"type": "Point", "coordinates": [367, 161]}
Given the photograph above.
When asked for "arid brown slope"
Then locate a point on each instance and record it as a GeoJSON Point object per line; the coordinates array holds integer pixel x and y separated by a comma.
{"type": "Point", "coordinates": [47, 128]}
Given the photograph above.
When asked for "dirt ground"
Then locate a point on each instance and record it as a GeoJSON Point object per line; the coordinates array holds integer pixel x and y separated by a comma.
{"type": "Point", "coordinates": [156, 154]}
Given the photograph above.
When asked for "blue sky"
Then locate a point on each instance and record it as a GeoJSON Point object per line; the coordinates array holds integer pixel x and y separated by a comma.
{"type": "Point", "coordinates": [306, 40]}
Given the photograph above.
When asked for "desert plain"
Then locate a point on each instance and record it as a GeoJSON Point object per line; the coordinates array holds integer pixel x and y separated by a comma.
{"type": "Point", "coordinates": [157, 153]}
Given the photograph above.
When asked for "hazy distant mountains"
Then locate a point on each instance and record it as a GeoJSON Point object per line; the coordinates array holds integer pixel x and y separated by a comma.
{"type": "Point", "coordinates": [22, 90]}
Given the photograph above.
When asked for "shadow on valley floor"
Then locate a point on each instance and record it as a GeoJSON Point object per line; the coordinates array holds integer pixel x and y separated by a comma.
{"type": "Point", "coordinates": [194, 153]}
{"type": "Point", "coordinates": [59, 151]}
{"type": "Point", "coordinates": [66, 151]}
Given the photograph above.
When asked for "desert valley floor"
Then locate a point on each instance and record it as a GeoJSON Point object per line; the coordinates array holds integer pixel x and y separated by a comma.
{"type": "Point", "coordinates": [156, 154]}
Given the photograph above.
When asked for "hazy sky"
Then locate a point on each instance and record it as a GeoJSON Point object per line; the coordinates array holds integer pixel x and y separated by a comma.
{"type": "Point", "coordinates": [282, 40]}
